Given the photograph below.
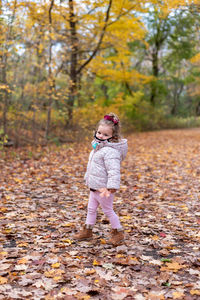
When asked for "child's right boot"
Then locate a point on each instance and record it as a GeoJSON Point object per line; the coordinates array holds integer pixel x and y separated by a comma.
{"type": "Point", "coordinates": [84, 234]}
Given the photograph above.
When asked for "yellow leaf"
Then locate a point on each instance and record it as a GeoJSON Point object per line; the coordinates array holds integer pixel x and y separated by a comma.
{"type": "Point", "coordinates": [8, 230]}
{"type": "Point", "coordinates": [57, 278]}
{"type": "Point", "coordinates": [3, 253]}
{"type": "Point", "coordinates": [90, 272]}
{"type": "Point", "coordinates": [18, 180]}
{"type": "Point", "coordinates": [134, 258]}
{"type": "Point", "coordinates": [195, 292]}
{"type": "Point", "coordinates": [67, 225]}
{"type": "Point", "coordinates": [127, 217]}
{"type": "Point", "coordinates": [67, 241]}
{"type": "Point", "coordinates": [196, 58]}
{"type": "Point", "coordinates": [3, 280]}
{"type": "Point", "coordinates": [54, 273]}
{"type": "Point", "coordinates": [119, 255]}
{"type": "Point", "coordinates": [174, 266]}
{"type": "Point", "coordinates": [185, 208]}
{"type": "Point", "coordinates": [22, 261]}
{"type": "Point", "coordinates": [50, 273]}
{"type": "Point", "coordinates": [51, 219]}
{"type": "Point", "coordinates": [79, 257]}
{"type": "Point", "coordinates": [3, 209]}
{"type": "Point", "coordinates": [155, 238]}
{"type": "Point", "coordinates": [56, 265]}
{"type": "Point", "coordinates": [23, 244]}
{"type": "Point", "coordinates": [178, 295]}
{"type": "Point", "coordinates": [96, 263]}
{"type": "Point", "coordinates": [103, 241]}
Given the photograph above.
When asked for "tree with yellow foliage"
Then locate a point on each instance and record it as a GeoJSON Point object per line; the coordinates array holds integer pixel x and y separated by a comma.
{"type": "Point", "coordinates": [55, 53]}
{"type": "Point", "coordinates": [7, 38]}
{"type": "Point", "coordinates": [95, 27]}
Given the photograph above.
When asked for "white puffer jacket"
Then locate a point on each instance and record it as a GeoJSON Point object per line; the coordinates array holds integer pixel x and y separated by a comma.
{"type": "Point", "coordinates": [103, 169]}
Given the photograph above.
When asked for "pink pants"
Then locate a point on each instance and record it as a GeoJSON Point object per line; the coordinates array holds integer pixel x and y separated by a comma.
{"type": "Point", "coordinates": [107, 206]}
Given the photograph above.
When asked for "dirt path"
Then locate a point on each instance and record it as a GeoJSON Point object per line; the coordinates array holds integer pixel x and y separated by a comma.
{"type": "Point", "coordinates": [43, 201]}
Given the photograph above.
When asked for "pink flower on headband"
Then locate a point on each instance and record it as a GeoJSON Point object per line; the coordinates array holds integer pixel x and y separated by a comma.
{"type": "Point", "coordinates": [111, 118]}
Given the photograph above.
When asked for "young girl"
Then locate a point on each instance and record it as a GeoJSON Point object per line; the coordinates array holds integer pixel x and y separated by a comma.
{"type": "Point", "coordinates": [103, 176]}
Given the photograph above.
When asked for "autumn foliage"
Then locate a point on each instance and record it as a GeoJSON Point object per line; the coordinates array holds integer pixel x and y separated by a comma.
{"type": "Point", "coordinates": [62, 60]}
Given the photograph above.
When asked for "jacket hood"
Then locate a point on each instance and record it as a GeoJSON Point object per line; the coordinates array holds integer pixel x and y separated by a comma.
{"type": "Point", "coordinates": [121, 146]}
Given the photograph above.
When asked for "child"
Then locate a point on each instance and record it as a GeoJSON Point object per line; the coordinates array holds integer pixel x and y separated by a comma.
{"type": "Point", "coordinates": [103, 176]}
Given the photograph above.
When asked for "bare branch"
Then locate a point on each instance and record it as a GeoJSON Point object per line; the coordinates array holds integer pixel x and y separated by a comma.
{"type": "Point", "coordinates": [50, 9]}
{"type": "Point", "coordinates": [100, 39]}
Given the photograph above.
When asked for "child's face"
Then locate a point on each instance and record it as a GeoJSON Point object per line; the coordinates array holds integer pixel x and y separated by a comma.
{"type": "Point", "coordinates": [104, 132]}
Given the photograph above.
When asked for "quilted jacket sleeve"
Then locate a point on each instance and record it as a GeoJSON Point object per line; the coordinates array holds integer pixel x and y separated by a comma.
{"type": "Point", "coordinates": [112, 161]}
{"type": "Point", "coordinates": [88, 166]}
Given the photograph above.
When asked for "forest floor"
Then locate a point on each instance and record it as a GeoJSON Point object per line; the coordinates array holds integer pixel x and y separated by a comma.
{"type": "Point", "coordinates": [43, 202]}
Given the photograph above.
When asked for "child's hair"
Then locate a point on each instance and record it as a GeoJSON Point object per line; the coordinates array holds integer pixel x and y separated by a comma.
{"type": "Point", "coordinates": [113, 121]}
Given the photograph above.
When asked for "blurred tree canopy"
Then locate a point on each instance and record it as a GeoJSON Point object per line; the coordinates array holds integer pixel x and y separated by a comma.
{"type": "Point", "coordinates": [65, 63]}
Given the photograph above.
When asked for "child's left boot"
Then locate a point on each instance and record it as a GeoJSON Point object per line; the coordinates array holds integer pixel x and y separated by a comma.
{"type": "Point", "coordinates": [84, 234]}
{"type": "Point", "coordinates": [117, 237]}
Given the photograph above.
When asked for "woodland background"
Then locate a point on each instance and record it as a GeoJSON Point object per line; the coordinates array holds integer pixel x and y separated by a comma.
{"type": "Point", "coordinates": [66, 63]}
{"type": "Point", "coordinates": [63, 65]}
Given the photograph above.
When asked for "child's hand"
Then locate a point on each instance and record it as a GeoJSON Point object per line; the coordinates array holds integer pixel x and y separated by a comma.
{"type": "Point", "coordinates": [104, 192]}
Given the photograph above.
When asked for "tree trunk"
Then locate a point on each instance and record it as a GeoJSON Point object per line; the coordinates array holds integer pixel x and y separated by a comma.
{"type": "Point", "coordinates": [197, 109]}
{"type": "Point", "coordinates": [162, 31]}
{"type": "Point", "coordinates": [73, 62]}
{"type": "Point", "coordinates": [74, 71]}
{"type": "Point", "coordinates": [155, 71]}
{"type": "Point", "coordinates": [177, 92]}
{"type": "Point", "coordinates": [4, 70]}
{"type": "Point", "coordinates": [51, 81]}
{"type": "Point", "coordinates": [5, 96]}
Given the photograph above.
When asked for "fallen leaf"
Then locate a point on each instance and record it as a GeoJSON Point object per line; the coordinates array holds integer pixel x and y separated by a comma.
{"type": "Point", "coordinates": [56, 265]}
{"type": "Point", "coordinates": [178, 295]}
{"type": "Point", "coordinates": [195, 292]}
{"type": "Point", "coordinates": [3, 280]}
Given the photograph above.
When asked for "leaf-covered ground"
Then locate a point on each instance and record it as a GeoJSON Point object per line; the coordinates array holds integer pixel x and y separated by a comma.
{"type": "Point", "coordinates": [43, 202]}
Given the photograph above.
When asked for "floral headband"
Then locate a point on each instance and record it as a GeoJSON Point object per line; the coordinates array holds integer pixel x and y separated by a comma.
{"type": "Point", "coordinates": [111, 118]}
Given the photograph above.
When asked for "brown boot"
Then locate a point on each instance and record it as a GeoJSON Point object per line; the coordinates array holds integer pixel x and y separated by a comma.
{"type": "Point", "coordinates": [84, 234]}
{"type": "Point", "coordinates": [117, 237]}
